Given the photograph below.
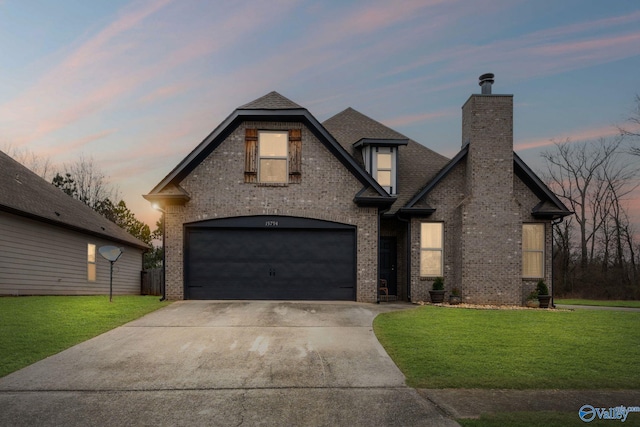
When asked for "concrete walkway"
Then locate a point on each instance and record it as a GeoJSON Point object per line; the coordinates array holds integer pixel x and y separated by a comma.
{"type": "Point", "coordinates": [224, 363]}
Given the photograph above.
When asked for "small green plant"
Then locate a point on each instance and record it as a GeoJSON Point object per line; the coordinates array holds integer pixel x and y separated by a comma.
{"type": "Point", "coordinates": [541, 288]}
{"type": "Point", "coordinates": [438, 284]}
{"type": "Point", "coordinates": [455, 292]}
{"type": "Point", "coordinates": [533, 295]}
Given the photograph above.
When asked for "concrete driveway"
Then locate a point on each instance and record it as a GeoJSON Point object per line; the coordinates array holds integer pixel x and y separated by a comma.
{"type": "Point", "coordinates": [224, 363]}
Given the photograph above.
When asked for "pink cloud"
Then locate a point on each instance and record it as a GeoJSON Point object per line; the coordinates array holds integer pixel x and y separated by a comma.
{"type": "Point", "coordinates": [78, 143]}
{"type": "Point", "coordinates": [576, 136]}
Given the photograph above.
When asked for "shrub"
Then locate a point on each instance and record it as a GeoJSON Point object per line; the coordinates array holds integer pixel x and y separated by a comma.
{"type": "Point", "coordinates": [541, 288]}
{"type": "Point", "coordinates": [438, 284]}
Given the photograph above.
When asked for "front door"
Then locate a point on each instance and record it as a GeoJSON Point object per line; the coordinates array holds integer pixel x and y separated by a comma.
{"type": "Point", "coordinates": [388, 263]}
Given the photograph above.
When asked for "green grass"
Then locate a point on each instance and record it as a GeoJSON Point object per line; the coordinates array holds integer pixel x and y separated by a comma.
{"type": "Point", "coordinates": [543, 419]}
{"type": "Point", "coordinates": [599, 303]}
{"type": "Point", "coordinates": [32, 328]}
{"type": "Point", "coordinates": [437, 347]}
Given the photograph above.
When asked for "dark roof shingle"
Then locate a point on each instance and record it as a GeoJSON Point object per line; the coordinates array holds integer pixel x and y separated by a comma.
{"type": "Point", "coordinates": [271, 101]}
{"type": "Point", "coordinates": [22, 192]}
{"type": "Point", "coordinates": [417, 163]}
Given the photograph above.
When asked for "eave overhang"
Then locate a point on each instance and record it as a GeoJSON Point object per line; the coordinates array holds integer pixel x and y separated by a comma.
{"type": "Point", "coordinates": [411, 212]}
{"type": "Point", "coordinates": [381, 202]}
{"type": "Point", "coordinates": [167, 199]}
{"type": "Point", "coordinates": [541, 190]}
{"type": "Point", "coordinates": [380, 142]}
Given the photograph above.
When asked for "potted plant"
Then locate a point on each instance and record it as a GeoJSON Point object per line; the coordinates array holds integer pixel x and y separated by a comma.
{"type": "Point", "coordinates": [437, 291]}
{"type": "Point", "coordinates": [455, 298]}
{"type": "Point", "coordinates": [532, 300]}
{"type": "Point", "coordinates": [543, 294]}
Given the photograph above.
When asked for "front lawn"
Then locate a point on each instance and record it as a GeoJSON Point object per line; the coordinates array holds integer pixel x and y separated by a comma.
{"type": "Point", "coordinates": [600, 303]}
{"type": "Point", "coordinates": [32, 328]}
{"type": "Point", "coordinates": [542, 419]}
{"type": "Point", "coordinates": [439, 347]}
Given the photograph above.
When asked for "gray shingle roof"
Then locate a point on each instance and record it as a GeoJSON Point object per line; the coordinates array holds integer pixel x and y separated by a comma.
{"type": "Point", "coordinates": [417, 164]}
{"type": "Point", "coordinates": [271, 101]}
{"type": "Point", "coordinates": [22, 192]}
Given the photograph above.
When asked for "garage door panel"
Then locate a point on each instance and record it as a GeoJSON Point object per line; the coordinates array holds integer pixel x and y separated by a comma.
{"type": "Point", "coordinates": [270, 264]}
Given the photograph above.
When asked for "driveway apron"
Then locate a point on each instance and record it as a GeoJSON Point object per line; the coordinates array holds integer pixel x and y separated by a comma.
{"type": "Point", "coordinates": [224, 363]}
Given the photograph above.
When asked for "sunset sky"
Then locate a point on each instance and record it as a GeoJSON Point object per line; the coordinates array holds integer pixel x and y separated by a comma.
{"type": "Point", "coordinates": [138, 84]}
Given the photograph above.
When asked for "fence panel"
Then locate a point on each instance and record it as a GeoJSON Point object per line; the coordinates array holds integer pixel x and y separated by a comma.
{"type": "Point", "coordinates": [152, 281]}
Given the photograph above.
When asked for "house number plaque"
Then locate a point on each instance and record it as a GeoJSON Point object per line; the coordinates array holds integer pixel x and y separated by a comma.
{"type": "Point", "coordinates": [271, 223]}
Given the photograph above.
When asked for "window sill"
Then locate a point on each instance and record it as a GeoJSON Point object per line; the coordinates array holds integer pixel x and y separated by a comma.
{"type": "Point", "coordinates": [272, 184]}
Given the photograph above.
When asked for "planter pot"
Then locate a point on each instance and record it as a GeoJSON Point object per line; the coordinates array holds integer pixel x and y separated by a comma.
{"type": "Point", "coordinates": [532, 303]}
{"type": "Point", "coordinates": [437, 297]}
{"type": "Point", "coordinates": [455, 299]}
{"type": "Point", "coordinates": [544, 300]}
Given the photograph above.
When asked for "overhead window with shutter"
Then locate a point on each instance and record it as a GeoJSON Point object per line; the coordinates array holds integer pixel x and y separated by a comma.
{"type": "Point", "coordinates": [273, 157]}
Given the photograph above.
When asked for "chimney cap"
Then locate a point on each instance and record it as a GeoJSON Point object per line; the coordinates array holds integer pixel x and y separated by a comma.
{"type": "Point", "coordinates": [485, 81]}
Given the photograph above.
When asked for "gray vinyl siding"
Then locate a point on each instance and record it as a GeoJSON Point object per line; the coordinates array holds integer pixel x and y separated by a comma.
{"type": "Point", "coordinates": [41, 259]}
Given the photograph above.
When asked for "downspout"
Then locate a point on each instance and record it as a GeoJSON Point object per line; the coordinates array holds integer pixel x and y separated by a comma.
{"type": "Point", "coordinates": [553, 286]}
{"type": "Point", "coordinates": [380, 212]}
{"type": "Point", "coordinates": [164, 256]}
{"type": "Point", "coordinates": [164, 251]}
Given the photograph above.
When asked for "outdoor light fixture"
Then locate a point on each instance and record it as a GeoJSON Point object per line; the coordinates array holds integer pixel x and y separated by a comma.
{"type": "Point", "coordinates": [111, 254]}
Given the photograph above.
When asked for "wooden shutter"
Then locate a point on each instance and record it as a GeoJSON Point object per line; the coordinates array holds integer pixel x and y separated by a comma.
{"type": "Point", "coordinates": [295, 156]}
{"type": "Point", "coordinates": [251, 155]}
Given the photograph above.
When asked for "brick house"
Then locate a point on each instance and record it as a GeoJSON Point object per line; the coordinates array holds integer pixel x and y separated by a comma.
{"type": "Point", "coordinates": [274, 204]}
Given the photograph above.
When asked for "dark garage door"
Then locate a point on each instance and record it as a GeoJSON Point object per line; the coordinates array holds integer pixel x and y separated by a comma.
{"type": "Point", "coordinates": [294, 259]}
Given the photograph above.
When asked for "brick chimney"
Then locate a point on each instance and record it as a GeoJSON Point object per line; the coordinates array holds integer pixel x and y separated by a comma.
{"type": "Point", "coordinates": [491, 223]}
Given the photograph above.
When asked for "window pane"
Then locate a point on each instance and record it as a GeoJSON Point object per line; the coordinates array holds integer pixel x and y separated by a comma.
{"type": "Point", "coordinates": [431, 235]}
{"type": "Point", "coordinates": [91, 272]}
{"type": "Point", "coordinates": [91, 253]}
{"type": "Point", "coordinates": [272, 170]}
{"type": "Point", "coordinates": [431, 263]}
{"type": "Point", "coordinates": [384, 161]}
{"type": "Point", "coordinates": [273, 144]}
{"type": "Point", "coordinates": [532, 264]}
{"type": "Point", "coordinates": [533, 237]}
{"type": "Point", "coordinates": [384, 178]}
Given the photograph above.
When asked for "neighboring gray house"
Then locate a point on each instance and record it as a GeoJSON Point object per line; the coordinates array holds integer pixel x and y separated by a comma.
{"type": "Point", "coordinates": [274, 204]}
{"type": "Point", "coordinates": [49, 241]}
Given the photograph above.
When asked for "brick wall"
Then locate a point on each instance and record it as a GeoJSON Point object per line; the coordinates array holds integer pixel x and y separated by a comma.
{"type": "Point", "coordinates": [326, 192]}
{"type": "Point", "coordinates": [483, 206]}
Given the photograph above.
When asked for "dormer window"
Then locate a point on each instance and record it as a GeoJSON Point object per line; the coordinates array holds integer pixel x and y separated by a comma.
{"type": "Point", "coordinates": [381, 161]}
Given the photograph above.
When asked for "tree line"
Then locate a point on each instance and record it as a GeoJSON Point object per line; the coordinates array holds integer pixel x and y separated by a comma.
{"type": "Point", "coordinates": [596, 250]}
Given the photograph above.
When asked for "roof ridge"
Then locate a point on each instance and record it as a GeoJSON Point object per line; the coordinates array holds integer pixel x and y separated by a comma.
{"type": "Point", "coordinates": [271, 101]}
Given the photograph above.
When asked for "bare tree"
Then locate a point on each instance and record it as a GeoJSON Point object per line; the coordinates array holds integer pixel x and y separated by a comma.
{"type": "Point", "coordinates": [572, 172]}
{"type": "Point", "coordinates": [632, 129]}
{"type": "Point", "coordinates": [38, 164]}
{"type": "Point", "coordinates": [92, 185]}
{"type": "Point", "coordinates": [596, 179]}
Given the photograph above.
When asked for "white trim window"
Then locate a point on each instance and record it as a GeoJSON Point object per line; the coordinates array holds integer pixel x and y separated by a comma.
{"type": "Point", "coordinates": [431, 249]}
{"type": "Point", "coordinates": [533, 250]}
{"type": "Point", "coordinates": [91, 262]}
{"type": "Point", "coordinates": [382, 164]}
{"type": "Point", "coordinates": [273, 148]}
